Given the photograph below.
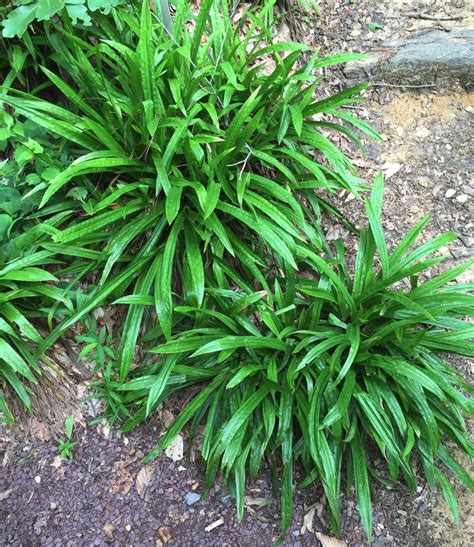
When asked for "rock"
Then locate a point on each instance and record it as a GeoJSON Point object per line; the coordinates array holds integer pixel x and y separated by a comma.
{"type": "Point", "coordinates": [192, 498]}
{"type": "Point", "coordinates": [435, 57]}
{"type": "Point", "coordinates": [175, 449]}
{"type": "Point", "coordinates": [468, 190]}
{"type": "Point", "coordinates": [109, 530]}
{"type": "Point", "coordinates": [424, 181]}
{"type": "Point", "coordinates": [422, 133]}
{"type": "Point", "coordinates": [39, 524]}
{"type": "Point", "coordinates": [462, 198]}
{"type": "Point", "coordinates": [450, 193]}
{"type": "Point", "coordinates": [226, 500]}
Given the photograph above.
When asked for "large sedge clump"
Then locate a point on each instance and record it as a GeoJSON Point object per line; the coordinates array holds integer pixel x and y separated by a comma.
{"type": "Point", "coordinates": [186, 191]}
{"type": "Point", "coordinates": [326, 372]}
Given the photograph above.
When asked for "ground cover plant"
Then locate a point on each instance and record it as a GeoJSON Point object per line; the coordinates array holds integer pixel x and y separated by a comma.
{"type": "Point", "coordinates": [184, 179]}
{"type": "Point", "coordinates": [22, 13]}
{"type": "Point", "coordinates": [316, 368]}
{"type": "Point", "coordinates": [177, 157]}
{"type": "Point", "coordinates": [29, 294]}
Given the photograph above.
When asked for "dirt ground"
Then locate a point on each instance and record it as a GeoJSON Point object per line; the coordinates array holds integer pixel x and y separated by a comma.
{"type": "Point", "coordinates": [105, 495]}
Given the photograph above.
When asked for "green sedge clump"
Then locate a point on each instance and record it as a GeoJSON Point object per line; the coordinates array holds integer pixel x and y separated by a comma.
{"type": "Point", "coordinates": [324, 371]}
{"type": "Point", "coordinates": [172, 175]}
{"type": "Point", "coordinates": [186, 154]}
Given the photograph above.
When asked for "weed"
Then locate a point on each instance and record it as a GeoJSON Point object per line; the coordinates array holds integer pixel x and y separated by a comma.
{"type": "Point", "coordinates": [66, 446]}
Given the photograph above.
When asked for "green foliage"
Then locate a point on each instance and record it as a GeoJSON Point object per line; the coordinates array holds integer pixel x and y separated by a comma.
{"type": "Point", "coordinates": [322, 370]}
{"type": "Point", "coordinates": [28, 291]}
{"type": "Point", "coordinates": [178, 173]}
{"type": "Point", "coordinates": [191, 156]}
{"type": "Point", "coordinates": [372, 26]}
{"type": "Point", "coordinates": [66, 446]}
{"type": "Point", "coordinates": [97, 346]}
{"type": "Point", "coordinates": [25, 12]}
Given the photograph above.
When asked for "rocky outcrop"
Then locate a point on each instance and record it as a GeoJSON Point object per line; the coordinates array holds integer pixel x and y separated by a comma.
{"type": "Point", "coordinates": [444, 58]}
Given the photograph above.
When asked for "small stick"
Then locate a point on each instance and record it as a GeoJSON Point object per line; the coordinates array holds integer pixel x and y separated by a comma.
{"type": "Point", "coordinates": [429, 17]}
{"type": "Point", "coordinates": [383, 84]}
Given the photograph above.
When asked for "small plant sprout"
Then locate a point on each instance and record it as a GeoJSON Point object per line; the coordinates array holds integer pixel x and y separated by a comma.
{"type": "Point", "coordinates": [66, 446]}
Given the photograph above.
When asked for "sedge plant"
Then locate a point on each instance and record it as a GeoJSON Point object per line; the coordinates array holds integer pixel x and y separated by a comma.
{"type": "Point", "coordinates": [190, 193]}
{"type": "Point", "coordinates": [324, 373]}
{"type": "Point", "coordinates": [186, 153]}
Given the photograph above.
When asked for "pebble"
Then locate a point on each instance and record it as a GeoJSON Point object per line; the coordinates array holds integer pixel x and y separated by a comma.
{"type": "Point", "coordinates": [450, 193]}
{"type": "Point", "coordinates": [128, 527]}
{"type": "Point", "coordinates": [419, 489]}
{"type": "Point", "coordinates": [192, 498]}
{"type": "Point", "coordinates": [422, 133]}
{"type": "Point", "coordinates": [37, 479]}
{"type": "Point", "coordinates": [226, 500]}
{"type": "Point", "coordinates": [462, 198]}
{"type": "Point", "coordinates": [468, 190]}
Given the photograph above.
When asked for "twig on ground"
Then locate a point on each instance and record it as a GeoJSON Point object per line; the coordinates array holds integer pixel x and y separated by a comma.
{"type": "Point", "coordinates": [383, 84]}
{"type": "Point", "coordinates": [429, 17]}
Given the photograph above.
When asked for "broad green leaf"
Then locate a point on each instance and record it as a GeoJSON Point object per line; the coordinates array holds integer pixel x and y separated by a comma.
{"type": "Point", "coordinates": [236, 342]}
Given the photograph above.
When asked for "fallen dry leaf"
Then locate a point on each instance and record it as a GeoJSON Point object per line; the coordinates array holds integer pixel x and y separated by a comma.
{"type": "Point", "coordinates": [90, 405]}
{"type": "Point", "coordinates": [308, 520]}
{"type": "Point", "coordinates": [158, 543]}
{"type": "Point", "coordinates": [57, 462]}
{"type": "Point", "coordinates": [389, 169]}
{"type": "Point", "coordinates": [144, 478]}
{"type": "Point", "coordinates": [213, 525]}
{"type": "Point", "coordinates": [109, 530]}
{"type": "Point", "coordinates": [104, 429]}
{"type": "Point", "coordinates": [123, 481]}
{"type": "Point", "coordinates": [175, 450]}
{"type": "Point", "coordinates": [40, 431]}
{"type": "Point", "coordinates": [328, 541]}
{"type": "Point", "coordinates": [166, 533]}
{"type": "Point", "coordinates": [167, 418]}
{"type": "Point", "coordinates": [4, 495]}
{"type": "Point", "coordinates": [260, 502]}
